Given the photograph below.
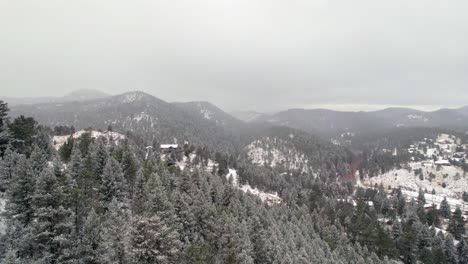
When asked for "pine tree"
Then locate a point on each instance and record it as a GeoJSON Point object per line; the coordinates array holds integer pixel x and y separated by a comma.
{"type": "Point", "coordinates": [91, 239]}
{"type": "Point", "coordinates": [445, 208]}
{"type": "Point", "coordinates": [450, 250]}
{"type": "Point", "coordinates": [20, 193]}
{"type": "Point", "coordinates": [130, 168]}
{"type": "Point", "coordinates": [65, 151]}
{"type": "Point", "coordinates": [157, 201]}
{"type": "Point", "coordinates": [22, 131]}
{"type": "Point", "coordinates": [8, 167]}
{"type": "Point", "coordinates": [115, 240]}
{"type": "Point", "coordinates": [140, 196]}
{"type": "Point", "coordinates": [462, 249]}
{"type": "Point", "coordinates": [3, 114]}
{"type": "Point", "coordinates": [460, 230]}
{"type": "Point", "coordinates": [152, 241]}
{"type": "Point", "coordinates": [4, 135]}
{"type": "Point", "coordinates": [421, 198]}
{"type": "Point", "coordinates": [113, 184]}
{"type": "Point", "coordinates": [75, 167]}
{"type": "Point", "coordinates": [52, 226]}
{"type": "Point", "coordinates": [432, 216]}
{"type": "Point", "coordinates": [236, 246]}
{"type": "Point", "coordinates": [424, 238]}
{"type": "Point", "coordinates": [38, 159]}
{"type": "Point", "coordinates": [11, 258]}
{"type": "Point", "coordinates": [102, 155]}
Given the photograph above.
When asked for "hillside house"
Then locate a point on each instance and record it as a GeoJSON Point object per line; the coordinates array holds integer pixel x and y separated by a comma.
{"type": "Point", "coordinates": [168, 148]}
{"type": "Point", "coordinates": [169, 153]}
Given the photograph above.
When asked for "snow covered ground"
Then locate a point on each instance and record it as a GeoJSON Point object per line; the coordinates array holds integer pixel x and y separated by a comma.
{"type": "Point", "coordinates": [188, 161]}
{"type": "Point", "coordinates": [269, 198]}
{"type": "Point", "coordinates": [447, 181]}
{"type": "Point", "coordinates": [437, 199]}
{"type": "Point", "coordinates": [264, 196]}
{"type": "Point", "coordinates": [58, 141]}
{"type": "Point", "coordinates": [276, 153]}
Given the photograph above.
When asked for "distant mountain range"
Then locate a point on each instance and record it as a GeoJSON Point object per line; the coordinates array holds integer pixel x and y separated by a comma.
{"type": "Point", "coordinates": [78, 95]}
{"type": "Point", "coordinates": [329, 122]}
{"type": "Point", "coordinates": [156, 122]}
{"type": "Point", "coordinates": [203, 123]}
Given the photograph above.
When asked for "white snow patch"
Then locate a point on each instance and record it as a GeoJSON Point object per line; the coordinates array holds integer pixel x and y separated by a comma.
{"type": "Point", "coordinates": [453, 177]}
{"type": "Point", "coordinates": [58, 141]}
{"type": "Point", "coordinates": [269, 198]}
{"type": "Point", "coordinates": [141, 116]}
{"type": "Point", "coordinates": [188, 162]}
{"type": "Point", "coordinates": [132, 97]}
{"type": "Point", "coordinates": [267, 152]}
{"type": "Point", "coordinates": [437, 200]}
{"type": "Point", "coordinates": [417, 117]}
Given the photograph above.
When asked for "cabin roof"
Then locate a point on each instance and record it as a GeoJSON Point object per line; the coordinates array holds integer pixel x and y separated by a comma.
{"type": "Point", "coordinates": [169, 146]}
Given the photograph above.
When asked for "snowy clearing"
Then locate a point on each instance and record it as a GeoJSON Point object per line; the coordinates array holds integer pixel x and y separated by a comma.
{"type": "Point", "coordinates": [269, 198]}
{"type": "Point", "coordinates": [276, 153]}
{"type": "Point", "coordinates": [58, 141]}
{"type": "Point", "coordinates": [447, 181]}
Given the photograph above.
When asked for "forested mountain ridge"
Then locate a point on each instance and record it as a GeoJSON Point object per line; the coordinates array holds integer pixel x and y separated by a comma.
{"type": "Point", "coordinates": [96, 200]}
{"type": "Point", "coordinates": [157, 122]}
{"type": "Point", "coordinates": [210, 112]}
{"type": "Point", "coordinates": [103, 202]}
{"type": "Point", "coordinates": [154, 120]}
{"type": "Point", "coordinates": [332, 123]}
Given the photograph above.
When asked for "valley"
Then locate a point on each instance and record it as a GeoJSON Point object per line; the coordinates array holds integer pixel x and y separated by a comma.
{"type": "Point", "coordinates": [135, 146]}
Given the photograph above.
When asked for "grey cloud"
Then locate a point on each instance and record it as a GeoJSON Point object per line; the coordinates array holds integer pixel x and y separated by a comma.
{"type": "Point", "coordinates": [244, 54]}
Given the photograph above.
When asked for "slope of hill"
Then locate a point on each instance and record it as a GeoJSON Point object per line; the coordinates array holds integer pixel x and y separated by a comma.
{"type": "Point", "coordinates": [248, 116]}
{"type": "Point", "coordinates": [446, 181]}
{"type": "Point", "coordinates": [210, 112]}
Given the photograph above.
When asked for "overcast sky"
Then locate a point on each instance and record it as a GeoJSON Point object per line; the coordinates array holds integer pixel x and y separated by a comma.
{"type": "Point", "coordinates": [241, 54]}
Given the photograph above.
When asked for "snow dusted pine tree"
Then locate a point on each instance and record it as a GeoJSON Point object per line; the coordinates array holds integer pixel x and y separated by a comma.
{"type": "Point", "coordinates": [445, 208]}
{"type": "Point", "coordinates": [152, 241]}
{"type": "Point", "coordinates": [462, 249]}
{"type": "Point", "coordinates": [139, 194]}
{"type": "Point", "coordinates": [235, 243]}
{"type": "Point", "coordinates": [8, 166]}
{"type": "Point", "coordinates": [113, 184]}
{"type": "Point", "coordinates": [90, 239]}
{"type": "Point", "coordinates": [20, 193]}
{"type": "Point", "coordinates": [19, 211]}
{"type": "Point", "coordinates": [450, 249]}
{"type": "Point", "coordinates": [52, 226]}
{"type": "Point", "coordinates": [11, 258]}
{"type": "Point", "coordinates": [114, 245]}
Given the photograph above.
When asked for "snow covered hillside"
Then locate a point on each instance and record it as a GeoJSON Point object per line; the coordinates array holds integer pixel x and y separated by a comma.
{"type": "Point", "coordinates": [209, 165]}
{"type": "Point", "coordinates": [447, 181]}
{"type": "Point", "coordinates": [189, 162]}
{"type": "Point", "coordinates": [58, 141]}
{"type": "Point", "coordinates": [277, 153]}
{"type": "Point", "coordinates": [269, 198]}
{"type": "Point", "coordinates": [437, 200]}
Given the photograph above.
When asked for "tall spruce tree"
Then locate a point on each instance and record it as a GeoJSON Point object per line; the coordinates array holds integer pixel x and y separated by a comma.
{"type": "Point", "coordinates": [113, 183]}
{"type": "Point", "coordinates": [152, 241]}
{"type": "Point", "coordinates": [52, 227]}
{"type": "Point", "coordinates": [115, 239]}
